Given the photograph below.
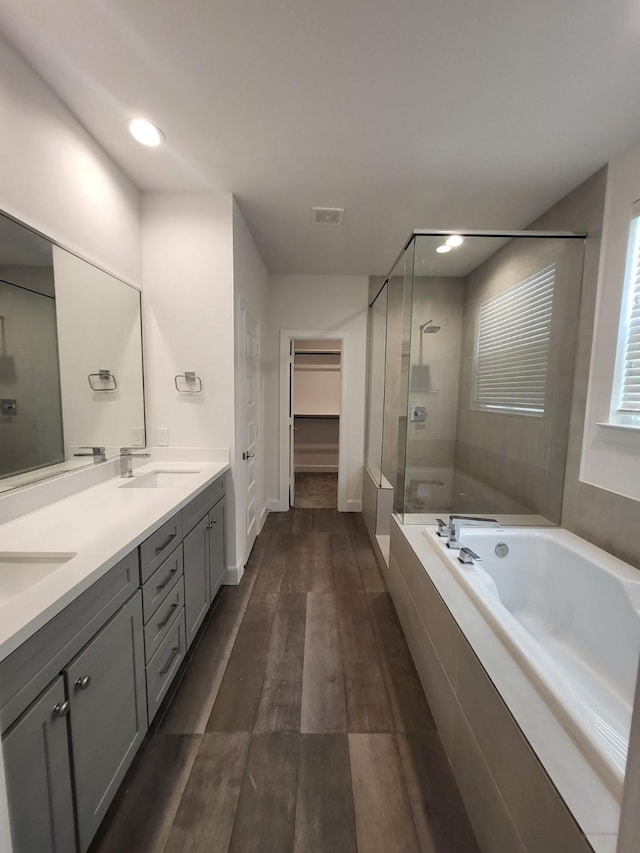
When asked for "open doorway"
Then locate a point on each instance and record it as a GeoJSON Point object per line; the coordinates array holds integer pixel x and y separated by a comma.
{"type": "Point", "coordinates": [313, 418]}
{"type": "Point", "coordinates": [316, 393]}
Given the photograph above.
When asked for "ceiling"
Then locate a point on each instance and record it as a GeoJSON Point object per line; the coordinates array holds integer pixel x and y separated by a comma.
{"type": "Point", "coordinates": [411, 114]}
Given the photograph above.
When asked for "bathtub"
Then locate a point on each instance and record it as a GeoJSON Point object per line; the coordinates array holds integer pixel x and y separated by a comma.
{"type": "Point", "coordinates": [569, 614]}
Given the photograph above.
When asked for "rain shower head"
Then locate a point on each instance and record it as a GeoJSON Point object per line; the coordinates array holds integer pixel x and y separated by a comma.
{"type": "Point", "coordinates": [429, 328]}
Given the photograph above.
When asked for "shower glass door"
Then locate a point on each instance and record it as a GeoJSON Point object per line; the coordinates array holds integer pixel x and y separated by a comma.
{"type": "Point", "coordinates": [479, 374]}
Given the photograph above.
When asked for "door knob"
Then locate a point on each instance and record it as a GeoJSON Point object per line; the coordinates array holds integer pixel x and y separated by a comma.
{"type": "Point", "coordinates": [83, 683]}
{"type": "Point", "coordinates": [248, 455]}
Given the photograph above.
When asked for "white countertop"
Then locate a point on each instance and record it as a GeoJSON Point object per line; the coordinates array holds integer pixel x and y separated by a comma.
{"type": "Point", "coordinates": [100, 525]}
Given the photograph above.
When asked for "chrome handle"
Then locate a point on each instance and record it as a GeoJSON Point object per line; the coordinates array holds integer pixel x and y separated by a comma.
{"type": "Point", "coordinates": [168, 542]}
{"type": "Point", "coordinates": [248, 455]}
{"type": "Point", "coordinates": [83, 682]}
{"type": "Point", "coordinates": [175, 652]}
{"type": "Point", "coordinates": [166, 619]}
{"type": "Point", "coordinates": [61, 709]}
{"type": "Point", "coordinates": [443, 527]}
{"type": "Point", "coordinates": [165, 582]}
{"type": "Point", "coordinates": [467, 556]}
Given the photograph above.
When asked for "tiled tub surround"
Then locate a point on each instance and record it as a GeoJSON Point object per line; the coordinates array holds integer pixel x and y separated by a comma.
{"type": "Point", "coordinates": [526, 783]}
{"type": "Point", "coordinates": [99, 525]}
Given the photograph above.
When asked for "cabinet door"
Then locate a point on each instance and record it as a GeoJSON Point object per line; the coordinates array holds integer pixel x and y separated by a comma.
{"type": "Point", "coordinates": [217, 551]}
{"type": "Point", "coordinates": [36, 756]}
{"type": "Point", "coordinates": [108, 720]}
{"type": "Point", "coordinates": [197, 596]}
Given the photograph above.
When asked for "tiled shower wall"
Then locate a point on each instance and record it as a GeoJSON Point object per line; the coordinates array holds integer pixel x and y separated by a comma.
{"type": "Point", "coordinates": [506, 462]}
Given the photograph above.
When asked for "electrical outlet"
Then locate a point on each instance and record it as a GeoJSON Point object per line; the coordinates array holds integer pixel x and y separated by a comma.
{"type": "Point", "coordinates": [137, 437]}
{"type": "Point", "coordinates": [162, 434]}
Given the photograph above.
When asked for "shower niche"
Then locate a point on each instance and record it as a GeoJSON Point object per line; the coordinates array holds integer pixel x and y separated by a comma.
{"type": "Point", "coordinates": [471, 350]}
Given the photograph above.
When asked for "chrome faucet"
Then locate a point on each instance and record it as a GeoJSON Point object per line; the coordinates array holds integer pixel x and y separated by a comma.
{"type": "Point", "coordinates": [126, 460]}
{"type": "Point", "coordinates": [457, 522]}
{"type": "Point", "coordinates": [99, 453]}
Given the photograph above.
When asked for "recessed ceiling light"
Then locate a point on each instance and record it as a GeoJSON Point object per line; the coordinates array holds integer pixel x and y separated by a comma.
{"type": "Point", "coordinates": [145, 132]}
{"type": "Point", "coordinates": [443, 249]}
{"type": "Point", "coordinates": [455, 240]}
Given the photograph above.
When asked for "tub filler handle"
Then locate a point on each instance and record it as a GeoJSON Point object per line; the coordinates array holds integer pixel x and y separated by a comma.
{"type": "Point", "coordinates": [467, 557]}
{"type": "Point", "coordinates": [443, 528]}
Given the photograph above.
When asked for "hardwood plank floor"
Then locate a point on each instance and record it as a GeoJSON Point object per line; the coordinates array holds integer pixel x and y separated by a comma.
{"type": "Point", "coordinates": [324, 707]}
{"type": "Point", "coordinates": [204, 822]}
{"type": "Point", "coordinates": [300, 725]}
{"type": "Point", "coordinates": [324, 809]}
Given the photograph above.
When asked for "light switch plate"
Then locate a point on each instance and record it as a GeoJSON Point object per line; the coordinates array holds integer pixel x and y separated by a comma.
{"type": "Point", "coordinates": [162, 435]}
{"type": "Point", "coordinates": [137, 437]}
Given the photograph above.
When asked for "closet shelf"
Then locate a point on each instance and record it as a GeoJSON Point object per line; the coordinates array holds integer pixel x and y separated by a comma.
{"type": "Point", "coordinates": [309, 415]}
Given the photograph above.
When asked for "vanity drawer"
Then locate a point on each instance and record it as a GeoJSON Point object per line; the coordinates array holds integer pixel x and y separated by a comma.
{"type": "Point", "coordinates": [164, 617]}
{"type": "Point", "coordinates": [160, 584]}
{"type": "Point", "coordinates": [164, 664]}
{"type": "Point", "coordinates": [159, 545]}
{"type": "Point", "coordinates": [201, 504]}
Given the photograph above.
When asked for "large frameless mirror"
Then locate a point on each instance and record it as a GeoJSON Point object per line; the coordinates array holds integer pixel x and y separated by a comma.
{"type": "Point", "coordinates": [71, 374]}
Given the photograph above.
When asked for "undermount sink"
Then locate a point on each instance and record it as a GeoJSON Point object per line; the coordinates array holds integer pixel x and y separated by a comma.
{"type": "Point", "coordinates": [160, 479]}
{"type": "Point", "coordinates": [21, 570]}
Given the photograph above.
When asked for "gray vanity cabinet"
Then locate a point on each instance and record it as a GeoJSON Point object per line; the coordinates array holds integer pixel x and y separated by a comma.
{"type": "Point", "coordinates": [36, 757]}
{"type": "Point", "coordinates": [197, 586]}
{"type": "Point", "coordinates": [217, 558]}
{"type": "Point", "coordinates": [204, 553]}
{"type": "Point", "coordinates": [106, 689]}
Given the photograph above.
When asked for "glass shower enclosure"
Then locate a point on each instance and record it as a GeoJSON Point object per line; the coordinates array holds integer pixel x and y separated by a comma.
{"type": "Point", "coordinates": [471, 349]}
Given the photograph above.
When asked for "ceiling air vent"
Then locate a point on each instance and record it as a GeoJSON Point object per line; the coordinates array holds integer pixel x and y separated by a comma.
{"type": "Point", "coordinates": [327, 215]}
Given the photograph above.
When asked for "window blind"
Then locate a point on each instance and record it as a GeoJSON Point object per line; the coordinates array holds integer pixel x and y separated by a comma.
{"type": "Point", "coordinates": [629, 400]}
{"type": "Point", "coordinates": [512, 346]}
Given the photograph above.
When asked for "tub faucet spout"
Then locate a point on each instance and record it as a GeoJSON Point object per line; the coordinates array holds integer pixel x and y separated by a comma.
{"type": "Point", "coordinates": [457, 522]}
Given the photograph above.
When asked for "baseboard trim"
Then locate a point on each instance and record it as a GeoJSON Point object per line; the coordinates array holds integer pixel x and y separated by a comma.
{"type": "Point", "coordinates": [273, 505]}
{"type": "Point", "coordinates": [233, 575]}
{"type": "Point", "coordinates": [354, 506]}
{"type": "Point", "coordinates": [262, 518]}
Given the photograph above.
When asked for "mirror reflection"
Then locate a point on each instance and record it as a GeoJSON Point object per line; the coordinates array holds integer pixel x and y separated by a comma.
{"type": "Point", "coordinates": [70, 360]}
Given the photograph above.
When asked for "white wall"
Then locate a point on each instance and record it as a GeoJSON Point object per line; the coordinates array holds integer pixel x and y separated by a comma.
{"type": "Point", "coordinates": [187, 264]}
{"type": "Point", "coordinates": [610, 456]}
{"type": "Point", "coordinates": [251, 286]}
{"type": "Point", "coordinates": [332, 303]}
{"type": "Point", "coordinates": [55, 178]}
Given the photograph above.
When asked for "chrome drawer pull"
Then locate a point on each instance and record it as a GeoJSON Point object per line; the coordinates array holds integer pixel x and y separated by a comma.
{"type": "Point", "coordinates": [175, 653]}
{"type": "Point", "coordinates": [161, 586]}
{"type": "Point", "coordinates": [168, 542]}
{"type": "Point", "coordinates": [83, 682]}
{"type": "Point", "coordinates": [61, 709]}
{"type": "Point", "coordinates": [165, 621]}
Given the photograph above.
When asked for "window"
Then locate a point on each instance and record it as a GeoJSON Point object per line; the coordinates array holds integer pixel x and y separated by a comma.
{"type": "Point", "coordinates": [513, 346]}
{"type": "Point", "coordinates": [626, 401]}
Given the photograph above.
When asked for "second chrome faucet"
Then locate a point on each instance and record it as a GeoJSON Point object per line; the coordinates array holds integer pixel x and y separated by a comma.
{"type": "Point", "coordinates": [126, 460]}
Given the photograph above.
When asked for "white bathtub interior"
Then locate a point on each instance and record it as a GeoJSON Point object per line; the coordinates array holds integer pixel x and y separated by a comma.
{"type": "Point", "coordinates": [570, 615]}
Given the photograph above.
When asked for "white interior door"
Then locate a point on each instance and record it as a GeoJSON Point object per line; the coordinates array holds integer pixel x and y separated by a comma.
{"type": "Point", "coordinates": [251, 384]}
{"type": "Point", "coordinates": [292, 437]}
